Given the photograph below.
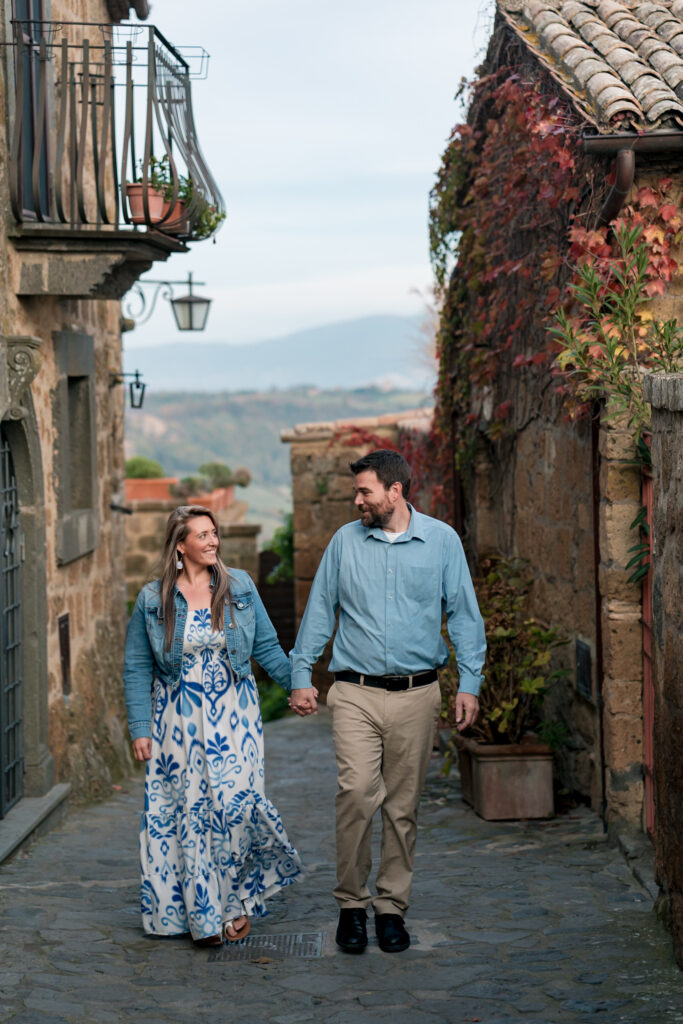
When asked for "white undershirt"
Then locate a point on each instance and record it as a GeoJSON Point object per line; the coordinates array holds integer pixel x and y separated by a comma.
{"type": "Point", "coordinates": [391, 537]}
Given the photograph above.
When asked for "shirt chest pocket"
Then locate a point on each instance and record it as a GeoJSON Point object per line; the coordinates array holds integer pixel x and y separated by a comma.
{"type": "Point", "coordinates": [242, 607]}
{"type": "Point", "coordinates": [420, 582]}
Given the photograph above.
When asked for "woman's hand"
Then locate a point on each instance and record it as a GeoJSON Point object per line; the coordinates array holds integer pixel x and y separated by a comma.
{"type": "Point", "coordinates": [304, 701]}
{"type": "Point", "coordinates": [142, 748]}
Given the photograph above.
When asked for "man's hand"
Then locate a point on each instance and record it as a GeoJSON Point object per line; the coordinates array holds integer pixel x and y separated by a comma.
{"type": "Point", "coordinates": [142, 748]}
{"type": "Point", "coordinates": [466, 710]}
{"type": "Point", "coordinates": [304, 701]}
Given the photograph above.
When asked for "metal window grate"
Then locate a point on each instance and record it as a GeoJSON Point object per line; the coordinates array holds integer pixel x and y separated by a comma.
{"type": "Point", "coordinates": [11, 695]}
{"type": "Point", "coordinates": [272, 947]}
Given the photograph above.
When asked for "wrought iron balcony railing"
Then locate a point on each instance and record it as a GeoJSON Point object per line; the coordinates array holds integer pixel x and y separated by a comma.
{"type": "Point", "coordinates": [100, 113]}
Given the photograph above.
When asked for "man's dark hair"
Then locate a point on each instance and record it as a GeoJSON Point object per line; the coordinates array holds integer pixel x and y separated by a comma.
{"type": "Point", "coordinates": [390, 467]}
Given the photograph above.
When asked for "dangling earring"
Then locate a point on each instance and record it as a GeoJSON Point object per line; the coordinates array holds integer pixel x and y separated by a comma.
{"type": "Point", "coordinates": [179, 561]}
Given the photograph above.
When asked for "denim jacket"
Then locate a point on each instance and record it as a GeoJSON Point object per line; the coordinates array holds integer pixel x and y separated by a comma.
{"type": "Point", "coordinates": [147, 659]}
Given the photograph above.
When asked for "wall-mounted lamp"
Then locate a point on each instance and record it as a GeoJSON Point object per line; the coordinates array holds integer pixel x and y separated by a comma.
{"type": "Point", "coordinates": [190, 311]}
{"type": "Point", "coordinates": [136, 388]}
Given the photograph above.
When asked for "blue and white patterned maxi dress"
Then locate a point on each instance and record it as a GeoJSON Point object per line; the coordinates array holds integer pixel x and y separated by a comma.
{"type": "Point", "coordinates": [212, 847]}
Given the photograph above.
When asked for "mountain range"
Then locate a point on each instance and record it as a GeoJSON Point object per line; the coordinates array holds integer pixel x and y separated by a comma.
{"type": "Point", "coordinates": [385, 351]}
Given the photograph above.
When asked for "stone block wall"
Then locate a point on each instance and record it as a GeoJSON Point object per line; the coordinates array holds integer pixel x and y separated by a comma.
{"type": "Point", "coordinates": [665, 394]}
{"type": "Point", "coordinates": [565, 498]}
{"type": "Point", "coordinates": [86, 734]}
{"type": "Point", "coordinates": [621, 626]}
{"type": "Point", "coordinates": [322, 491]}
{"type": "Point", "coordinates": [538, 505]}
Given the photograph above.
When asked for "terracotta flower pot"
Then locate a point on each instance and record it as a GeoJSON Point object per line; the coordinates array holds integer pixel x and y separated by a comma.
{"type": "Point", "coordinates": [155, 200]}
{"type": "Point", "coordinates": [506, 782]}
{"type": "Point", "coordinates": [177, 222]}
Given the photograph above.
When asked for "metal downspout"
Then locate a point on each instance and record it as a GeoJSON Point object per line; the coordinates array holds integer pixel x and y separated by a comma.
{"type": "Point", "coordinates": [625, 173]}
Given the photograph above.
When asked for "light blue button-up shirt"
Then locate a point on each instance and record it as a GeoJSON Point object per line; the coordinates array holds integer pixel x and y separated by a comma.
{"type": "Point", "coordinates": [391, 599]}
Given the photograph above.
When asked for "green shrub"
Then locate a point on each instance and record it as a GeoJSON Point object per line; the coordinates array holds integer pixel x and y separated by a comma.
{"type": "Point", "coordinates": [141, 468]}
{"type": "Point", "coordinates": [519, 662]}
{"type": "Point", "coordinates": [282, 543]}
{"type": "Point", "coordinates": [273, 699]}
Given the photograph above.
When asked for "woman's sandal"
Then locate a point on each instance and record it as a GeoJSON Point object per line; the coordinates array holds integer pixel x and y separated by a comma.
{"type": "Point", "coordinates": [240, 933]}
{"type": "Point", "coordinates": [210, 940]}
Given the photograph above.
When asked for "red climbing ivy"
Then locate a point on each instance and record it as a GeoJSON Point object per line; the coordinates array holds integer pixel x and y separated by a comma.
{"type": "Point", "coordinates": [510, 235]}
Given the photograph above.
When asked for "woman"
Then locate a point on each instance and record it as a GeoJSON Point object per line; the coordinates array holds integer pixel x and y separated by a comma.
{"type": "Point", "coordinates": [212, 847]}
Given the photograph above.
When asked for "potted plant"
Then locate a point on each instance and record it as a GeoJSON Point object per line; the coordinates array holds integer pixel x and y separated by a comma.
{"type": "Point", "coordinates": [156, 186]}
{"type": "Point", "coordinates": [506, 759]}
{"type": "Point", "coordinates": [175, 213]}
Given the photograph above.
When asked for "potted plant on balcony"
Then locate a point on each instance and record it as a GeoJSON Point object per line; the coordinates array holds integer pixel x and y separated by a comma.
{"type": "Point", "coordinates": [156, 186]}
{"type": "Point", "coordinates": [175, 213]}
{"type": "Point", "coordinates": [506, 759]}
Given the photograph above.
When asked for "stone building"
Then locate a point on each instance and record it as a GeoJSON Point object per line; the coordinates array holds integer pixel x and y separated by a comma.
{"type": "Point", "coordinates": [87, 102]}
{"type": "Point", "coordinates": [600, 124]}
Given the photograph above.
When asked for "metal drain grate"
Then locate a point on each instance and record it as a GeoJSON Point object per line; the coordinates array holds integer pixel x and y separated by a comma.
{"type": "Point", "coordinates": [273, 947]}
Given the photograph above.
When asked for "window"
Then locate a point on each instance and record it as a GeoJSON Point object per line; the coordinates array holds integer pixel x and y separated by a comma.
{"type": "Point", "coordinates": [75, 447]}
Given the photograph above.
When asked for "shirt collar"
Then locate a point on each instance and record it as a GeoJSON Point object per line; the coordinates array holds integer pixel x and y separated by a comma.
{"type": "Point", "coordinates": [415, 529]}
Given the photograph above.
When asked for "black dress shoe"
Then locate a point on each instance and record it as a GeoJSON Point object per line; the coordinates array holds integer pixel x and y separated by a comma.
{"type": "Point", "coordinates": [391, 934]}
{"type": "Point", "coordinates": [352, 935]}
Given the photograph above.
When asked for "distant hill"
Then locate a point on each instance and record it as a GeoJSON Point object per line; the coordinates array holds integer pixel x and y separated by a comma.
{"type": "Point", "coordinates": [381, 350]}
{"type": "Point", "coordinates": [182, 430]}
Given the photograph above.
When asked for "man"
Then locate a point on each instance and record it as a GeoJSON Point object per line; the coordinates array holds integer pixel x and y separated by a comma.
{"type": "Point", "coordinates": [391, 575]}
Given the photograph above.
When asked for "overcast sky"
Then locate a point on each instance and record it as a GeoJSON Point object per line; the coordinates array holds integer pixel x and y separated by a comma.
{"type": "Point", "coordinates": [323, 124]}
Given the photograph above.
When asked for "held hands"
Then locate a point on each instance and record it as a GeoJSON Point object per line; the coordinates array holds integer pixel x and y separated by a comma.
{"type": "Point", "coordinates": [303, 702]}
{"type": "Point", "coordinates": [142, 748]}
{"type": "Point", "coordinates": [466, 710]}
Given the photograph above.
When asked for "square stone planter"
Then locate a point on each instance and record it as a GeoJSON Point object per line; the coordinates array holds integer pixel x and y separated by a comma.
{"type": "Point", "coordinates": [506, 782]}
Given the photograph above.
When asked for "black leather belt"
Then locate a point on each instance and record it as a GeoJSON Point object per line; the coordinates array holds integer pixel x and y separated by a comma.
{"type": "Point", "coordinates": [388, 682]}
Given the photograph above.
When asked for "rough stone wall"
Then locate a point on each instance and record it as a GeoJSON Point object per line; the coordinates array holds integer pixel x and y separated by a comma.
{"type": "Point", "coordinates": [86, 725]}
{"type": "Point", "coordinates": [665, 394]}
{"type": "Point", "coordinates": [536, 500]}
{"type": "Point", "coordinates": [621, 626]}
{"type": "Point", "coordinates": [322, 493]}
{"type": "Point", "coordinates": [537, 505]}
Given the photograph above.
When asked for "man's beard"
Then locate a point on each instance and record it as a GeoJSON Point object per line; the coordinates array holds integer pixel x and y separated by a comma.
{"type": "Point", "coordinates": [379, 519]}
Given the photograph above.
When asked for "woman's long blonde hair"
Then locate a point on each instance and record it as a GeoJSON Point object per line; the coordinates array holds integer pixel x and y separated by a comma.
{"type": "Point", "coordinates": [177, 529]}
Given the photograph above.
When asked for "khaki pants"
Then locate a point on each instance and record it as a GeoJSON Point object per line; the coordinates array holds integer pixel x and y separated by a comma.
{"type": "Point", "coordinates": [383, 742]}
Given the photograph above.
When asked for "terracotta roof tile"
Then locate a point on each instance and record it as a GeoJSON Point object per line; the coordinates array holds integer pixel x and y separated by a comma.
{"type": "Point", "coordinates": [615, 57]}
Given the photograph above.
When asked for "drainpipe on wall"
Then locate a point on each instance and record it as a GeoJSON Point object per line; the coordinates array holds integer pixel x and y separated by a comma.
{"type": "Point", "coordinates": [623, 183]}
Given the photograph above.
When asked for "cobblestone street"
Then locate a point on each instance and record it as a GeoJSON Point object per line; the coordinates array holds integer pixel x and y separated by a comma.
{"type": "Point", "coordinates": [522, 922]}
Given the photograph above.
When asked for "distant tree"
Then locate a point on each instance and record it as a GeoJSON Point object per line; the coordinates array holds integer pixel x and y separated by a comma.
{"type": "Point", "coordinates": [241, 476]}
{"type": "Point", "coordinates": [141, 468]}
{"type": "Point", "coordinates": [189, 486]}
{"type": "Point", "coordinates": [217, 473]}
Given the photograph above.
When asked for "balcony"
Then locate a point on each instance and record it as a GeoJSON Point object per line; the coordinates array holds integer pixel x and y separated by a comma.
{"type": "Point", "coordinates": [98, 113]}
